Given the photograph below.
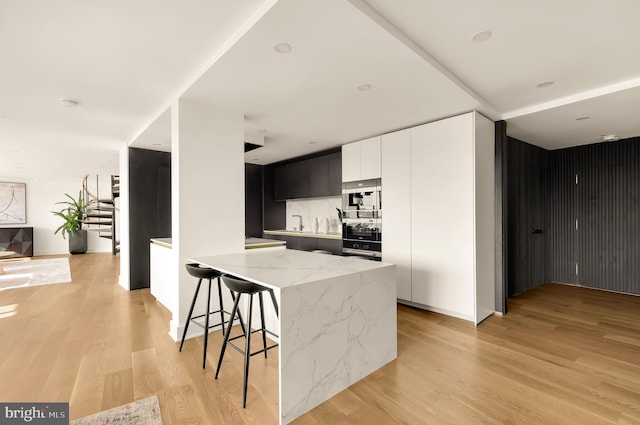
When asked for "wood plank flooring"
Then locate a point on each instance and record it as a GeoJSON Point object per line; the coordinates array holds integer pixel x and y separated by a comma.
{"type": "Point", "coordinates": [563, 355]}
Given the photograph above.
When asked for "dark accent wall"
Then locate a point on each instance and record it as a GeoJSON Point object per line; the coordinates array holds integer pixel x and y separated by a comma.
{"type": "Point", "coordinates": [253, 200]}
{"type": "Point", "coordinates": [606, 203]}
{"type": "Point", "coordinates": [149, 208]}
{"type": "Point", "coordinates": [542, 194]}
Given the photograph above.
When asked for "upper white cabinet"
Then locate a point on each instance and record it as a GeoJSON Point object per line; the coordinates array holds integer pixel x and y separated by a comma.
{"type": "Point", "coordinates": [396, 205]}
{"type": "Point", "coordinates": [361, 160]}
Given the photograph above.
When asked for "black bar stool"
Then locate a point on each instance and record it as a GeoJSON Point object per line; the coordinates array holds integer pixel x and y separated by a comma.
{"type": "Point", "coordinates": [241, 286]}
{"type": "Point", "coordinates": [201, 272]}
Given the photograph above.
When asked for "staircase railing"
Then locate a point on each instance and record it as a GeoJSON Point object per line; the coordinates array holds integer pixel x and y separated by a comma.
{"type": "Point", "coordinates": [101, 213]}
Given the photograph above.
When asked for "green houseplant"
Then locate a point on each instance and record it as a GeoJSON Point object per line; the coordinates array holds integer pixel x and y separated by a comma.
{"type": "Point", "coordinates": [73, 214]}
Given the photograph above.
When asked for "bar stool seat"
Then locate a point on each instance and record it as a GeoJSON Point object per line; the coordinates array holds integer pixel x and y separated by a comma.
{"type": "Point", "coordinates": [201, 272]}
{"type": "Point", "coordinates": [240, 287]}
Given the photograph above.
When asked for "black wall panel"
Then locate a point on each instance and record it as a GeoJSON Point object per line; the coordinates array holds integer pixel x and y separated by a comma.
{"type": "Point", "coordinates": [607, 207]}
{"type": "Point", "coordinates": [601, 250]}
{"type": "Point", "coordinates": [149, 208]}
{"type": "Point", "coordinates": [561, 215]}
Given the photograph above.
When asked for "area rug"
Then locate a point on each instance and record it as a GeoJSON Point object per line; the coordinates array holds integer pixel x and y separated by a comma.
{"type": "Point", "coordinates": [22, 274]}
{"type": "Point", "coordinates": [139, 412]}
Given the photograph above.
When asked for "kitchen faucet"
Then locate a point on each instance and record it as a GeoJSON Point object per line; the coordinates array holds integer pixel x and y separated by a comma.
{"type": "Point", "coordinates": [301, 226]}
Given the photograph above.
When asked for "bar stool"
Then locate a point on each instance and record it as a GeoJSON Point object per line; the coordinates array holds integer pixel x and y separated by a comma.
{"type": "Point", "coordinates": [241, 286]}
{"type": "Point", "coordinates": [200, 272]}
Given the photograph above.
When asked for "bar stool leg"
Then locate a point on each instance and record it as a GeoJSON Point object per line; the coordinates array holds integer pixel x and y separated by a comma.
{"type": "Point", "coordinates": [233, 297]}
{"type": "Point", "coordinates": [264, 333]}
{"type": "Point", "coordinates": [274, 301]}
{"type": "Point", "coordinates": [206, 326]}
{"type": "Point", "coordinates": [247, 354]}
{"type": "Point", "coordinates": [193, 303]}
{"type": "Point", "coordinates": [236, 301]}
{"type": "Point", "coordinates": [221, 305]}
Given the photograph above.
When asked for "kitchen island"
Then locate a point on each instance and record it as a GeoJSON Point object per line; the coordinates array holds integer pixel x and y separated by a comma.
{"type": "Point", "coordinates": [337, 319]}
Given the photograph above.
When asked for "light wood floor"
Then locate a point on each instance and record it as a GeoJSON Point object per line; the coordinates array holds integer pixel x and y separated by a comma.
{"type": "Point", "coordinates": [562, 355]}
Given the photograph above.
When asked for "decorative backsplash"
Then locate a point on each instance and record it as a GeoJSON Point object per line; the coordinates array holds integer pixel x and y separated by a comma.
{"type": "Point", "coordinates": [324, 209]}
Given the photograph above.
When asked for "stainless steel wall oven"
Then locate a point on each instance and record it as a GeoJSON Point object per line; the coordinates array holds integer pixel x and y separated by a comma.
{"type": "Point", "coordinates": [362, 218]}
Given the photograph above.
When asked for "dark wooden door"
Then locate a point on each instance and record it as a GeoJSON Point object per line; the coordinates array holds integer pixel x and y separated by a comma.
{"type": "Point", "coordinates": [527, 203]}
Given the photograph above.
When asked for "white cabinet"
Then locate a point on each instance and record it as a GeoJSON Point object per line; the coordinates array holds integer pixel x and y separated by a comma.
{"type": "Point", "coordinates": [351, 162]}
{"type": "Point", "coordinates": [438, 223]}
{"type": "Point", "coordinates": [162, 274]}
{"type": "Point", "coordinates": [396, 207]}
{"type": "Point", "coordinates": [361, 160]}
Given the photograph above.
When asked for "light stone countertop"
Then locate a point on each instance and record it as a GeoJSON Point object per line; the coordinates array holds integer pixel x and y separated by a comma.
{"type": "Point", "coordinates": [304, 234]}
{"type": "Point", "coordinates": [165, 242]}
{"type": "Point", "coordinates": [278, 269]}
{"type": "Point", "coordinates": [251, 243]}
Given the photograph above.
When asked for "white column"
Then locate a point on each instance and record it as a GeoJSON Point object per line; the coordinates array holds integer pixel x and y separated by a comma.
{"type": "Point", "coordinates": [207, 198]}
{"type": "Point", "coordinates": [123, 220]}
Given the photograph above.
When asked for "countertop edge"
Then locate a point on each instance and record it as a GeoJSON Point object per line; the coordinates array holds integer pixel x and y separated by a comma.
{"type": "Point", "coordinates": [303, 234]}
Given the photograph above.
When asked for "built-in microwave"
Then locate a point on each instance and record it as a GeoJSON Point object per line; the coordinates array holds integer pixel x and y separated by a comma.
{"type": "Point", "coordinates": [362, 196]}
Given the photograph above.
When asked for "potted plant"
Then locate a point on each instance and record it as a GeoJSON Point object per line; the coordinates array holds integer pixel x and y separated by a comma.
{"type": "Point", "coordinates": [73, 215]}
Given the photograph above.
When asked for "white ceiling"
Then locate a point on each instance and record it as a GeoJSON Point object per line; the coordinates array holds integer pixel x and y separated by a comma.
{"type": "Point", "coordinates": [125, 61]}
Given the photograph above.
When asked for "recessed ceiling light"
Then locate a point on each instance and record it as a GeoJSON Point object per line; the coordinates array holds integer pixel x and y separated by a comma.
{"type": "Point", "coordinates": [69, 103]}
{"type": "Point", "coordinates": [313, 142]}
{"type": "Point", "coordinates": [609, 137]}
{"type": "Point", "coordinates": [262, 130]}
{"type": "Point", "coordinates": [584, 117]}
{"type": "Point", "coordinates": [282, 48]}
{"type": "Point", "coordinates": [255, 159]}
{"type": "Point", "coordinates": [481, 36]}
{"type": "Point", "coordinates": [544, 84]}
{"type": "Point", "coordinates": [364, 87]}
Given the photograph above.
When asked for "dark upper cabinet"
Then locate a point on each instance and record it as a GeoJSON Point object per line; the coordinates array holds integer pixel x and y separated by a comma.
{"type": "Point", "coordinates": [318, 176]}
{"type": "Point", "coordinates": [308, 178]}
{"type": "Point", "coordinates": [280, 182]}
{"type": "Point", "coordinates": [335, 173]}
{"type": "Point", "coordinates": [298, 179]}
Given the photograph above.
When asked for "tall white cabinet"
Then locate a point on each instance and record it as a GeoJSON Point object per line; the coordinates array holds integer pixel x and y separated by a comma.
{"type": "Point", "coordinates": [438, 223]}
{"type": "Point", "coordinates": [396, 207]}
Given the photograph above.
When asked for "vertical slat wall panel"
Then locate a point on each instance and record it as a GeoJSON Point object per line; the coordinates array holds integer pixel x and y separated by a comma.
{"type": "Point", "coordinates": [606, 203]}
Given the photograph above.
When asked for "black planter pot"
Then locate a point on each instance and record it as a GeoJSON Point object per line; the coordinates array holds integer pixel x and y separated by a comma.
{"type": "Point", "coordinates": [78, 242]}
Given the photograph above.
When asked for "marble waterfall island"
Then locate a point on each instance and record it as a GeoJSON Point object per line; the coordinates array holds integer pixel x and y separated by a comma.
{"type": "Point", "coordinates": [337, 319]}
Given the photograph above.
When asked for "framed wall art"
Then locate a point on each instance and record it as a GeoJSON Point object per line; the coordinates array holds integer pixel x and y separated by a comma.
{"type": "Point", "coordinates": [13, 203]}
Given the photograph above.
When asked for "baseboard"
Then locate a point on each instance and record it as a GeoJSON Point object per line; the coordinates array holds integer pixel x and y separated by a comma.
{"type": "Point", "coordinates": [438, 310]}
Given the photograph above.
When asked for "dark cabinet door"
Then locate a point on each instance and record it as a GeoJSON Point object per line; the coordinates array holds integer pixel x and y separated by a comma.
{"type": "Point", "coordinates": [280, 182]}
{"type": "Point", "coordinates": [253, 200]}
{"type": "Point", "coordinates": [334, 246]}
{"type": "Point", "coordinates": [335, 173]}
{"type": "Point", "coordinates": [318, 177]}
{"type": "Point", "coordinates": [298, 179]}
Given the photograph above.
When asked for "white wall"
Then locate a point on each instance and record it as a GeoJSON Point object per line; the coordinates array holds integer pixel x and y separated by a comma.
{"type": "Point", "coordinates": [42, 194]}
{"type": "Point", "coordinates": [123, 220]}
{"type": "Point", "coordinates": [207, 185]}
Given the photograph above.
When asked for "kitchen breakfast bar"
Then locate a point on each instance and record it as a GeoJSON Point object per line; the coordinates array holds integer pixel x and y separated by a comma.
{"type": "Point", "coordinates": [337, 319]}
